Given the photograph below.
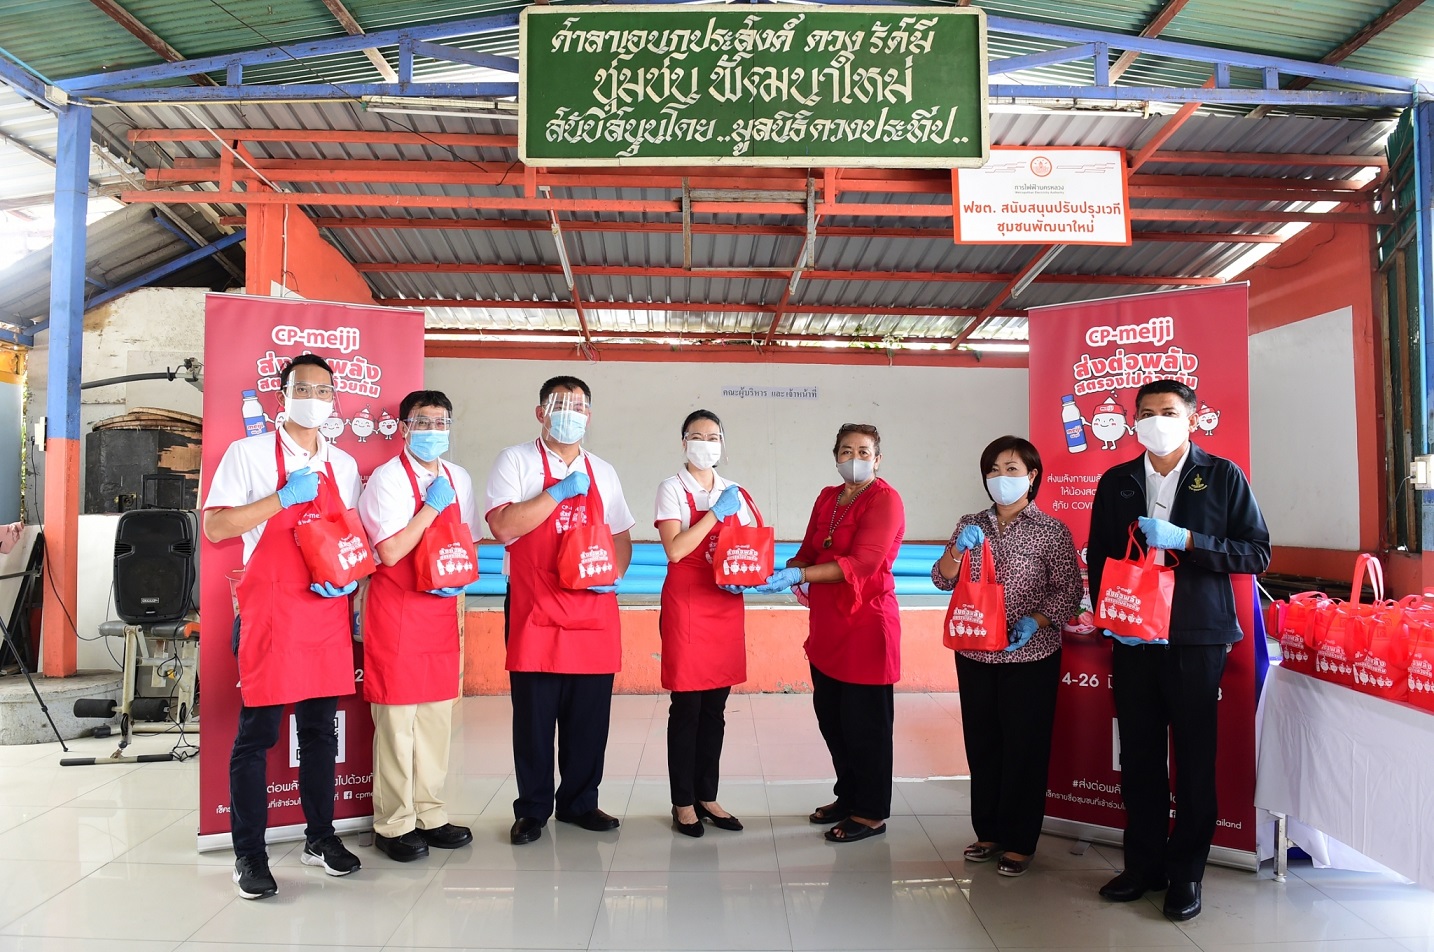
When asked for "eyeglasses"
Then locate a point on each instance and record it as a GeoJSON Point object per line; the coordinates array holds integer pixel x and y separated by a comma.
{"type": "Point", "coordinates": [318, 391]}
{"type": "Point", "coordinates": [699, 438]}
{"type": "Point", "coordinates": [425, 424]}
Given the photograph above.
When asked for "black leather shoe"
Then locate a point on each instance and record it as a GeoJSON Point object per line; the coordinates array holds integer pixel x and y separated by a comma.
{"type": "Point", "coordinates": [1128, 887]}
{"type": "Point", "coordinates": [447, 836]}
{"type": "Point", "coordinates": [526, 829]}
{"type": "Point", "coordinates": [594, 820]}
{"type": "Point", "coordinates": [1182, 901]}
{"type": "Point", "coordinates": [402, 849]}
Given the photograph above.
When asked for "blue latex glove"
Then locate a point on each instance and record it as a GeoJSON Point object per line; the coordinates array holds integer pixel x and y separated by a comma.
{"type": "Point", "coordinates": [1021, 632]}
{"type": "Point", "coordinates": [969, 538]}
{"type": "Point", "coordinates": [727, 504]}
{"type": "Point", "coordinates": [604, 589]}
{"type": "Point", "coordinates": [302, 486]}
{"type": "Point", "coordinates": [329, 591]}
{"type": "Point", "coordinates": [1161, 534]}
{"type": "Point", "coordinates": [1132, 642]}
{"type": "Point", "coordinates": [734, 589]}
{"type": "Point", "coordinates": [778, 581]}
{"type": "Point", "coordinates": [440, 494]}
{"type": "Point", "coordinates": [446, 592]}
{"type": "Point", "coordinates": [573, 484]}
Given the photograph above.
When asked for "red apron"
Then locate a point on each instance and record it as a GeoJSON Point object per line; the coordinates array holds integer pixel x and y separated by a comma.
{"type": "Point", "coordinates": [704, 643]}
{"type": "Point", "coordinates": [293, 644]}
{"type": "Point", "coordinates": [551, 628]}
{"type": "Point", "coordinates": [854, 629]}
{"type": "Point", "coordinates": [410, 639]}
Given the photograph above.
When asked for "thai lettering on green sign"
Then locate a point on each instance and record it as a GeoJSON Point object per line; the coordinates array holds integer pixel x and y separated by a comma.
{"type": "Point", "coordinates": [753, 85]}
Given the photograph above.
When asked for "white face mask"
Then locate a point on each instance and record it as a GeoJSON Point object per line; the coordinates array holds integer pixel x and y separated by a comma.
{"type": "Point", "coordinates": [1162, 435]}
{"type": "Point", "coordinates": [856, 471]}
{"type": "Point", "coordinates": [1006, 490]}
{"type": "Point", "coordinates": [308, 412]}
{"type": "Point", "coordinates": [703, 454]}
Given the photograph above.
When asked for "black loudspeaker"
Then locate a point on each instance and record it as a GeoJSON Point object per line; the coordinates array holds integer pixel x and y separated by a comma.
{"type": "Point", "coordinates": [156, 565]}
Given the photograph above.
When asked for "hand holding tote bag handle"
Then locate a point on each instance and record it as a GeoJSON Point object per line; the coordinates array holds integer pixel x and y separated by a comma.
{"type": "Point", "coordinates": [745, 555]}
{"type": "Point", "coordinates": [1135, 594]}
{"type": "Point", "coordinates": [976, 617]}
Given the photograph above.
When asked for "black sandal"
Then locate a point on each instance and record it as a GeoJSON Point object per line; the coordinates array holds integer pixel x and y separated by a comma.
{"type": "Point", "coordinates": [831, 813]}
{"type": "Point", "coordinates": [849, 831]}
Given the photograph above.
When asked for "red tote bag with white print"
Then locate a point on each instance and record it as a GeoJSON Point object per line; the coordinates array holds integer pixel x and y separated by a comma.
{"type": "Point", "coordinates": [976, 616]}
{"type": "Point", "coordinates": [1135, 594]}
{"type": "Point", "coordinates": [587, 555]}
{"type": "Point", "coordinates": [332, 540]}
{"type": "Point", "coordinates": [745, 555]}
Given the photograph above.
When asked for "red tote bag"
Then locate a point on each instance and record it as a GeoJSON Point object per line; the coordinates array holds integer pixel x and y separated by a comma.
{"type": "Point", "coordinates": [745, 555]}
{"type": "Point", "coordinates": [586, 553]}
{"type": "Point", "coordinates": [1294, 623]}
{"type": "Point", "coordinates": [1381, 661]}
{"type": "Point", "coordinates": [1135, 594]}
{"type": "Point", "coordinates": [1421, 664]}
{"type": "Point", "coordinates": [445, 556]}
{"type": "Point", "coordinates": [1337, 626]}
{"type": "Point", "coordinates": [334, 544]}
{"type": "Point", "coordinates": [976, 617]}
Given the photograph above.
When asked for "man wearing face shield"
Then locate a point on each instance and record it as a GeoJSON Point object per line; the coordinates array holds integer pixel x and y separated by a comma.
{"type": "Point", "coordinates": [292, 636]}
{"type": "Point", "coordinates": [411, 635]}
{"type": "Point", "coordinates": [564, 646]}
{"type": "Point", "coordinates": [1166, 694]}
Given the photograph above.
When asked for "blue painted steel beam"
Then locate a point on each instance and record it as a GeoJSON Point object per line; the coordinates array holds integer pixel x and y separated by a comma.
{"type": "Point", "coordinates": [1424, 249]}
{"type": "Point", "coordinates": [1248, 97]}
{"type": "Point", "coordinates": [24, 82]}
{"type": "Point", "coordinates": [452, 54]}
{"type": "Point", "coordinates": [1064, 54]}
{"type": "Point", "coordinates": [15, 337]}
{"type": "Point", "coordinates": [67, 274]}
{"type": "Point", "coordinates": [306, 91]}
{"type": "Point", "coordinates": [291, 52]}
{"type": "Point", "coordinates": [174, 229]}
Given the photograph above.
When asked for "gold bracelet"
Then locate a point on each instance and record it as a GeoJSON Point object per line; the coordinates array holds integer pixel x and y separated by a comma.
{"type": "Point", "coordinates": [803, 579]}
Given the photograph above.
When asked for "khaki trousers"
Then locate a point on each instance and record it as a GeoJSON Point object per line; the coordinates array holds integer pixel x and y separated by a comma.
{"type": "Point", "coordinates": [410, 765]}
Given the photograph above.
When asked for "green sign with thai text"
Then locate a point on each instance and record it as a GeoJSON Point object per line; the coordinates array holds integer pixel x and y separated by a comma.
{"type": "Point", "coordinates": [763, 84]}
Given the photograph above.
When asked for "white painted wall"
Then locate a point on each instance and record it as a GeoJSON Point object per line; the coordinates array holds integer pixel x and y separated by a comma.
{"type": "Point", "coordinates": [934, 423]}
{"type": "Point", "coordinates": [1304, 468]}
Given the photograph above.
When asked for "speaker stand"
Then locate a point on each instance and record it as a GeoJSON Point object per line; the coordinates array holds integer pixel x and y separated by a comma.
{"type": "Point", "coordinates": [20, 661]}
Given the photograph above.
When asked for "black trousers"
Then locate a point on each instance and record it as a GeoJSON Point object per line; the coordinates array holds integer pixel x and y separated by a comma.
{"type": "Point", "coordinates": [248, 782]}
{"type": "Point", "coordinates": [1007, 711]}
{"type": "Point", "coordinates": [575, 706]}
{"type": "Point", "coordinates": [856, 720]}
{"type": "Point", "coordinates": [696, 722]}
{"type": "Point", "coordinates": [1168, 697]}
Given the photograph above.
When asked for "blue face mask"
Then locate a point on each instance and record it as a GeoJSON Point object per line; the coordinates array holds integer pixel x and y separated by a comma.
{"type": "Point", "coordinates": [567, 426]}
{"type": "Point", "coordinates": [428, 445]}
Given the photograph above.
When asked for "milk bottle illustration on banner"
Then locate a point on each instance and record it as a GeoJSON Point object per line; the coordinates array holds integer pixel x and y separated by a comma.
{"type": "Point", "coordinates": [253, 413]}
{"type": "Point", "coordinates": [1073, 424]}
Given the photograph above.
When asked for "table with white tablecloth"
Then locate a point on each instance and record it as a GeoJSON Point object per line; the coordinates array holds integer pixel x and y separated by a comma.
{"type": "Point", "coordinates": [1356, 768]}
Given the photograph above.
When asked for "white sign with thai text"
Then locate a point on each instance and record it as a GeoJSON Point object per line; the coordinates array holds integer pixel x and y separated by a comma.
{"type": "Point", "coordinates": [1030, 195]}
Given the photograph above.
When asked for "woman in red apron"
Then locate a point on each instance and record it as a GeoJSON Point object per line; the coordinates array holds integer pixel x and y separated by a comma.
{"type": "Point", "coordinates": [854, 642]}
{"type": "Point", "coordinates": [704, 644]}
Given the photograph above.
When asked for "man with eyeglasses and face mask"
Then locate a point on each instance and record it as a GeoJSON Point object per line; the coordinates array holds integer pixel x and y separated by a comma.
{"type": "Point", "coordinates": [1166, 693]}
{"type": "Point", "coordinates": [564, 646]}
{"type": "Point", "coordinates": [411, 635]}
{"type": "Point", "coordinates": [292, 636]}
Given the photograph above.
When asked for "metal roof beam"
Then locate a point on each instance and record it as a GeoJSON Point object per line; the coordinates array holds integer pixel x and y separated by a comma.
{"type": "Point", "coordinates": [695, 307]}
{"type": "Point", "coordinates": [1342, 52]}
{"type": "Point", "coordinates": [148, 37]}
{"type": "Point", "coordinates": [308, 92]}
{"type": "Point", "coordinates": [453, 54]}
{"type": "Point", "coordinates": [351, 24]}
{"type": "Point", "coordinates": [1064, 54]}
{"type": "Point", "coordinates": [290, 52]}
{"type": "Point", "coordinates": [1172, 94]}
{"type": "Point", "coordinates": [24, 81]}
{"type": "Point", "coordinates": [1154, 28]}
{"type": "Point", "coordinates": [725, 353]}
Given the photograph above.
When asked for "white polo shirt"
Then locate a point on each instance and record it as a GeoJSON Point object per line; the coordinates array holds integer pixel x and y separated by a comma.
{"type": "Point", "coordinates": [517, 476]}
{"type": "Point", "coordinates": [672, 499]}
{"type": "Point", "coordinates": [1160, 491]}
{"type": "Point", "coordinates": [387, 503]}
{"type": "Point", "coordinates": [247, 474]}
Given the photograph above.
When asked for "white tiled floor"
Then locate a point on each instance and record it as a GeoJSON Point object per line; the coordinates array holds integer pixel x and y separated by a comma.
{"type": "Point", "coordinates": [102, 858]}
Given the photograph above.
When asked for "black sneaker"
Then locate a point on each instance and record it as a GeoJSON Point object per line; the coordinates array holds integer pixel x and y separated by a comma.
{"type": "Point", "coordinates": [252, 876]}
{"type": "Point", "coordinates": [330, 853]}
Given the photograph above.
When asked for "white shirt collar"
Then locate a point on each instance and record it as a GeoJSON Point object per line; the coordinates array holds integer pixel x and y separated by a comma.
{"type": "Point", "coordinates": [549, 450]}
{"type": "Point", "coordinates": [294, 449]}
{"type": "Point", "coordinates": [1179, 465]}
{"type": "Point", "coordinates": [690, 483]}
{"type": "Point", "coordinates": [420, 469]}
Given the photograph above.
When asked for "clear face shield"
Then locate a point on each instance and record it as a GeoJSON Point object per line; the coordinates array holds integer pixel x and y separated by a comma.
{"type": "Point", "coordinates": [313, 406]}
{"type": "Point", "coordinates": [566, 416]}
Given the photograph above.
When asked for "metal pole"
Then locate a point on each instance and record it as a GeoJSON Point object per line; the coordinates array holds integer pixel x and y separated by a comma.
{"type": "Point", "coordinates": [62, 401]}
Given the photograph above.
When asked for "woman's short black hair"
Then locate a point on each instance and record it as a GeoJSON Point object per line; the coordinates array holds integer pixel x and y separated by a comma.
{"type": "Point", "coordinates": [865, 429]}
{"type": "Point", "coordinates": [304, 360]}
{"type": "Point", "coordinates": [1023, 448]}
{"type": "Point", "coordinates": [696, 415]}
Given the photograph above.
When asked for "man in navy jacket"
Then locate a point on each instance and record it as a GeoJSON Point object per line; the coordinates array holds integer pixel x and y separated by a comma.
{"type": "Point", "coordinates": [1200, 506]}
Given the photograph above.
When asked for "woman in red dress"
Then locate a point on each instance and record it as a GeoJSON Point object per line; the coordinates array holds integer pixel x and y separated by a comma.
{"type": "Point", "coordinates": [843, 569]}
